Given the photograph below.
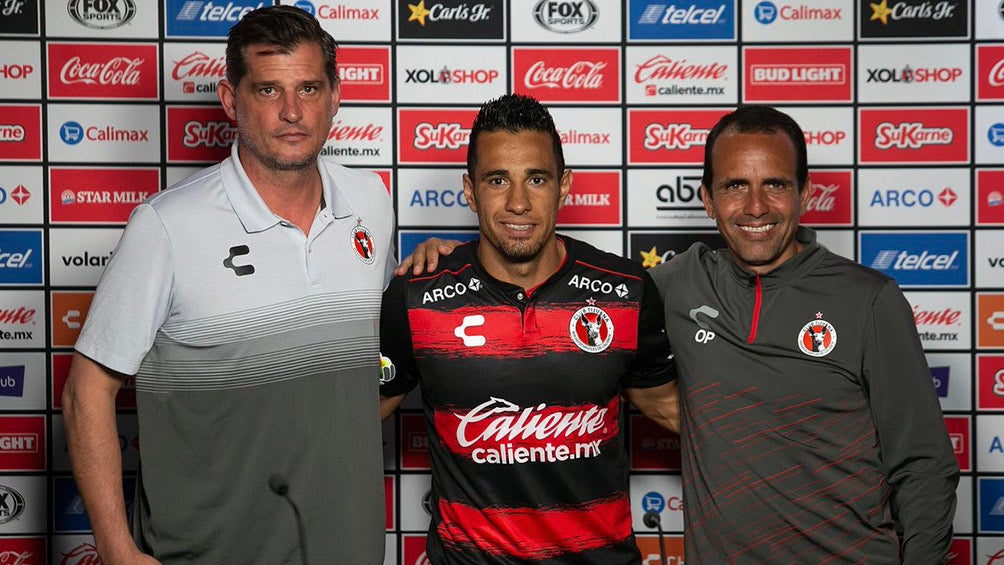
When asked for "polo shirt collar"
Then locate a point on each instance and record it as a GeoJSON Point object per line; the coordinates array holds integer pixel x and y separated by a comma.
{"type": "Point", "coordinates": [252, 211]}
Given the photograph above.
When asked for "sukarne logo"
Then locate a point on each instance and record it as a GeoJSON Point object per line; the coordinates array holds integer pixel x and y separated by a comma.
{"type": "Point", "coordinates": [568, 75]}
{"type": "Point", "coordinates": [916, 135]}
{"type": "Point", "coordinates": [799, 74]}
{"type": "Point", "coordinates": [434, 136]}
{"type": "Point", "coordinates": [106, 71]}
{"type": "Point", "coordinates": [101, 14]}
{"type": "Point", "coordinates": [990, 72]}
{"type": "Point", "coordinates": [566, 16]}
{"type": "Point", "coordinates": [670, 137]}
{"type": "Point", "coordinates": [198, 134]}
{"type": "Point", "coordinates": [98, 195]}
{"type": "Point", "coordinates": [918, 259]}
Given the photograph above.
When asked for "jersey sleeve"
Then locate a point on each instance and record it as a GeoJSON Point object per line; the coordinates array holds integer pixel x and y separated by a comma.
{"type": "Point", "coordinates": [917, 455]}
{"type": "Point", "coordinates": [653, 364]}
{"type": "Point", "coordinates": [395, 340]}
{"type": "Point", "coordinates": [133, 297]}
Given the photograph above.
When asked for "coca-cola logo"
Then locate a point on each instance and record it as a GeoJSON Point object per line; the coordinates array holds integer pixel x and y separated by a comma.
{"type": "Point", "coordinates": [996, 76]}
{"type": "Point", "coordinates": [16, 557]}
{"type": "Point", "coordinates": [579, 75]}
{"type": "Point", "coordinates": [823, 198]}
{"type": "Point", "coordinates": [83, 554]}
{"type": "Point", "coordinates": [674, 136]}
{"type": "Point", "coordinates": [120, 71]}
{"type": "Point", "coordinates": [664, 68]}
{"type": "Point", "coordinates": [199, 65]}
{"type": "Point", "coordinates": [944, 317]}
{"type": "Point", "coordinates": [341, 131]}
{"type": "Point", "coordinates": [441, 136]}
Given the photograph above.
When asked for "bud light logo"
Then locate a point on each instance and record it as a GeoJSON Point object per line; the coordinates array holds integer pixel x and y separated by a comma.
{"type": "Point", "coordinates": [12, 381]}
{"type": "Point", "coordinates": [919, 259]}
{"type": "Point", "coordinates": [939, 375]}
{"type": "Point", "coordinates": [206, 18]}
{"type": "Point", "coordinates": [21, 257]}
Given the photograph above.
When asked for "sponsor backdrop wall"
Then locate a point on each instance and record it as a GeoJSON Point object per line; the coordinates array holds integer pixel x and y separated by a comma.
{"type": "Point", "coordinates": [104, 102]}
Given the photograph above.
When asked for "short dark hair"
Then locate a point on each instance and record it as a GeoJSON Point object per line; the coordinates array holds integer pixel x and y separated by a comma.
{"type": "Point", "coordinates": [283, 27]}
{"type": "Point", "coordinates": [756, 118]}
{"type": "Point", "coordinates": [513, 113]}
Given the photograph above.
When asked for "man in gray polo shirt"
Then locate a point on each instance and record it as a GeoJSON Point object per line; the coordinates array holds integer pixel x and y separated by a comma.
{"type": "Point", "coordinates": [245, 300]}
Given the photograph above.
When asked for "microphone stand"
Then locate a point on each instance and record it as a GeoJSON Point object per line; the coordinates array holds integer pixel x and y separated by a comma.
{"type": "Point", "coordinates": [653, 520]}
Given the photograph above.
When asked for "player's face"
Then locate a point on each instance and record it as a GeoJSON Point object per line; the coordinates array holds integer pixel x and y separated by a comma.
{"type": "Point", "coordinates": [516, 192]}
{"type": "Point", "coordinates": [755, 198]}
{"type": "Point", "coordinates": [283, 107]}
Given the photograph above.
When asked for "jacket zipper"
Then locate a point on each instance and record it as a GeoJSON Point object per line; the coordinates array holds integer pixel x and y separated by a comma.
{"type": "Point", "coordinates": [756, 310]}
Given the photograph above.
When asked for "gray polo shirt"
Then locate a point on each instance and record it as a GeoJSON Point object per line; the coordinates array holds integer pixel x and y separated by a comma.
{"type": "Point", "coordinates": [255, 352]}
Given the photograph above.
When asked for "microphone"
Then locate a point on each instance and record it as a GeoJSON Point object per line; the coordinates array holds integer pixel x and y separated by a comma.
{"type": "Point", "coordinates": [653, 520]}
{"type": "Point", "coordinates": [280, 487]}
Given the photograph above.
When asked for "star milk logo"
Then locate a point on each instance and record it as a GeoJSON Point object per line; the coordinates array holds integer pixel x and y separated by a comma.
{"type": "Point", "coordinates": [817, 338]}
{"type": "Point", "coordinates": [239, 270]}
{"type": "Point", "coordinates": [591, 328]}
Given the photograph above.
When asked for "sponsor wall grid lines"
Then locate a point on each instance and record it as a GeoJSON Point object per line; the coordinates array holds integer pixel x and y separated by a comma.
{"type": "Point", "coordinates": [104, 103]}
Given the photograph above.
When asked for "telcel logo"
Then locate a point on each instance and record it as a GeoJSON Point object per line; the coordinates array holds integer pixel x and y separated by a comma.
{"type": "Point", "coordinates": [904, 260]}
{"type": "Point", "coordinates": [922, 259]}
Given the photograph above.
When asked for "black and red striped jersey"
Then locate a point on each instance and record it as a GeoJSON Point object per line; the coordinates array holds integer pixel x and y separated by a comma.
{"type": "Point", "coordinates": [521, 392]}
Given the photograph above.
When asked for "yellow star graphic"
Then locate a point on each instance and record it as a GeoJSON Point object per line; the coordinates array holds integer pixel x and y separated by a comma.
{"type": "Point", "coordinates": [651, 258]}
{"type": "Point", "coordinates": [419, 12]}
{"type": "Point", "coordinates": [881, 11]}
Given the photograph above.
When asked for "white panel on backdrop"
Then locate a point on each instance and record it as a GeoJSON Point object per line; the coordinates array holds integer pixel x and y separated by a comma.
{"type": "Point", "coordinates": [676, 74]}
{"type": "Point", "coordinates": [988, 131]}
{"type": "Point", "coordinates": [450, 74]}
{"type": "Point", "coordinates": [21, 195]}
{"type": "Point", "coordinates": [666, 198]}
{"type": "Point", "coordinates": [565, 21]}
{"type": "Point", "coordinates": [433, 197]}
{"type": "Point", "coordinates": [191, 71]}
{"type": "Point", "coordinates": [829, 134]}
{"type": "Point", "coordinates": [953, 379]}
{"type": "Point", "coordinates": [610, 241]}
{"type": "Point", "coordinates": [79, 133]}
{"type": "Point", "coordinates": [914, 197]}
{"type": "Point", "coordinates": [662, 494]}
{"type": "Point", "coordinates": [590, 136]}
{"type": "Point", "coordinates": [174, 175]}
{"type": "Point", "coordinates": [963, 523]}
{"type": "Point", "coordinates": [77, 257]}
{"type": "Point", "coordinates": [944, 319]}
{"type": "Point", "coordinates": [23, 381]}
{"type": "Point", "coordinates": [988, 16]}
{"type": "Point", "coordinates": [413, 494]}
{"type": "Point", "coordinates": [359, 20]}
{"type": "Point", "coordinates": [989, 258]}
{"type": "Point", "coordinates": [922, 73]}
{"type": "Point", "coordinates": [990, 443]}
{"type": "Point", "coordinates": [840, 242]}
{"type": "Point", "coordinates": [20, 70]}
{"type": "Point", "coordinates": [91, 18]}
{"type": "Point", "coordinates": [781, 21]}
{"type": "Point", "coordinates": [26, 504]}
{"type": "Point", "coordinates": [361, 136]}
